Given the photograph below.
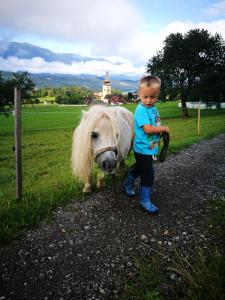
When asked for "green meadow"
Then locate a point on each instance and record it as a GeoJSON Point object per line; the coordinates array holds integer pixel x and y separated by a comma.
{"type": "Point", "coordinates": [46, 147]}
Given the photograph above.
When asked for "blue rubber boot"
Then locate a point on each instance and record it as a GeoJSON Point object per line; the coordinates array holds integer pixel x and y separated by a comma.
{"type": "Point", "coordinates": [128, 185]}
{"type": "Point", "coordinates": [145, 200]}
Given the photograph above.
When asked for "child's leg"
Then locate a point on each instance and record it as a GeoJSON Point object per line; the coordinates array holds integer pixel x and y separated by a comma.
{"type": "Point", "coordinates": [134, 170]}
{"type": "Point", "coordinates": [145, 166]}
{"type": "Point", "coordinates": [128, 184]}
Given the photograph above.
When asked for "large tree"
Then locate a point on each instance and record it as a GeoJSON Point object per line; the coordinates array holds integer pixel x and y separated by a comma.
{"type": "Point", "coordinates": [191, 65]}
{"type": "Point", "coordinates": [22, 81]}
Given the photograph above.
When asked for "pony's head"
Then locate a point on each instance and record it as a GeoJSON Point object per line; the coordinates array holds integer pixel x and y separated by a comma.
{"type": "Point", "coordinates": [104, 138]}
{"type": "Point", "coordinates": [95, 139]}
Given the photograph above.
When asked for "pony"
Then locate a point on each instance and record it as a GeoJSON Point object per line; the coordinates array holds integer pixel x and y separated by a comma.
{"type": "Point", "coordinates": [103, 136]}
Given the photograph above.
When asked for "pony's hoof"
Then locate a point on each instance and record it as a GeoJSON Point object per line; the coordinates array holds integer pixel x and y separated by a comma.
{"type": "Point", "coordinates": [87, 190]}
{"type": "Point", "coordinates": [100, 184]}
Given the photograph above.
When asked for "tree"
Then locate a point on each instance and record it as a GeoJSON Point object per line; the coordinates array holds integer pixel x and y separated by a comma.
{"type": "Point", "coordinates": [188, 63]}
{"type": "Point", "coordinates": [73, 95]}
{"type": "Point", "coordinates": [130, 96]}
{"type": "Point", "coordinates": [116, 92]}
{"type": "Point", "coordinates": [22, 81]}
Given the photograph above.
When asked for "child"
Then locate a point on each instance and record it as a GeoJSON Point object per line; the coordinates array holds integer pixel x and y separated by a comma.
{"type": "Point", "coordinates": [147, 131]}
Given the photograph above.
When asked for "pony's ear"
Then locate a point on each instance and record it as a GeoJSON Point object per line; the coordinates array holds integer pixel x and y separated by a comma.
{"type": "Point", "coordinates": [84, 114]}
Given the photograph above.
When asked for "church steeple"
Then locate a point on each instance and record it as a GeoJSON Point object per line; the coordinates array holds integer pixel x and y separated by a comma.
{"type": "Point", "coordinates": [106, 80]}
{"type": "Point", "coordinates": [106, 89]}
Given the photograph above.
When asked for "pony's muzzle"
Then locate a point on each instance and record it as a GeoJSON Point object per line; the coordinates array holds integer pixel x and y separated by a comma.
{"type": "Point", "coordinates": [107, 161]}
{"type": "Point", "coordinates": [108, 165]}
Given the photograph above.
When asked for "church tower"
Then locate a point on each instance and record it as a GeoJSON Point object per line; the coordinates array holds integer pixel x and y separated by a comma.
{"type": "Point", "coordinates": [106, 89]}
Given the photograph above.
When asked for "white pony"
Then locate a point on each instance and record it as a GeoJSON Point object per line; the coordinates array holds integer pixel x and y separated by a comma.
{"type": "Point", "coordinates": [104, 136]}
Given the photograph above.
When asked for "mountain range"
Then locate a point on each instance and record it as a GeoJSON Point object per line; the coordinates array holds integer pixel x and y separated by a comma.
{"type": "Point", "coordinates": [88, 81]}
{"type": "Point", "coordinates": [28, 51]}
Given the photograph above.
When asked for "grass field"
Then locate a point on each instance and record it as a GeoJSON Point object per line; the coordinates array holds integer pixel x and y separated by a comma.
{"type": "Point", "coordinates": [46, 146]}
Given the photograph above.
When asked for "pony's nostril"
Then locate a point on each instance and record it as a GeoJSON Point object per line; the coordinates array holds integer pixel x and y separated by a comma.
{"type": "Point", "coordinates": [105, 164]}
{"type": "Point", "coordinates": [114, 162]}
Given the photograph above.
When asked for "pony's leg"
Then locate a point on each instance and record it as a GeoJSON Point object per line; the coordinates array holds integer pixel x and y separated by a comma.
{"type": "Point", "coordinates": [122, 164]}
{"type": "Point", "coordinates": [121, 168]}
{"type": "Point", "coordinates": [87, 186]}
{"type": "Point", "coordinates": [100, 180]}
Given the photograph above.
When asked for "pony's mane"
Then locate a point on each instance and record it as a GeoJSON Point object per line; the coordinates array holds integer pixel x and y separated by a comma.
{"type": "Point", "coordinates": [82, 156]}
{"type": "Point", "coordinates": [96, 113]}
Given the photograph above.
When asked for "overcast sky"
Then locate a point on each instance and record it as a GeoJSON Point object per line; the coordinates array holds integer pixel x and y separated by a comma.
{"type": "Point", "coordinates": [118, 30]}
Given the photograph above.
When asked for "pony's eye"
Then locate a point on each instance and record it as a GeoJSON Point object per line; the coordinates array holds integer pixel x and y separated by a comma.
{"type": "Point", "coordinates": [94, 135]}
{"type": "Point", "coordinates": [117, 135]}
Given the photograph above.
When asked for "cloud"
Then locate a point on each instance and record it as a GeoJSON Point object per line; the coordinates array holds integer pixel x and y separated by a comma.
{"type": "Point", "coordinates": [133, 54]}
{"type": "Point", "coordinates": [217, 26]}
{"type": "Point", "coordinates": [101, 23]}
{"type": "Point", "coordinates": [141, 47]}
{"type": "Point", "coordinates": [216, 9]}
{"type": "Point", "coordinates": [38, 65]}
{"type": "Point", "coordinates": [107, 29]}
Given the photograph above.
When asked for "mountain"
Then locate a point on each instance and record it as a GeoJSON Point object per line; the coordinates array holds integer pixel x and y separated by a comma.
{"type": "Point", "coordinates": [89, 81]}
{"type": "Point", "coordinates": [28, 51]}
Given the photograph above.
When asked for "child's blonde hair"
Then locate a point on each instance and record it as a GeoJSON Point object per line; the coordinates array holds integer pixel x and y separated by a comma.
{"type": "Point", "coordinates": [149, 81]}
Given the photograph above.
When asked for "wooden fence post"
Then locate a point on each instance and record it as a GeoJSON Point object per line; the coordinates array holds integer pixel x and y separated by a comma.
{"type": "Point", "coordinates": [199, 118]}
{"type": "Point", "coordinates": [18, 151]}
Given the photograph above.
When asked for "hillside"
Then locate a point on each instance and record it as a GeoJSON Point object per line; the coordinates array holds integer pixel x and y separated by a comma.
{"type": "Point", "coordinates": [89, 81]}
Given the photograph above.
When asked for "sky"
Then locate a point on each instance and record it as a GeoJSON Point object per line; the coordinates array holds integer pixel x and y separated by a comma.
{"type": "Point", "coordinates": [126, 31]}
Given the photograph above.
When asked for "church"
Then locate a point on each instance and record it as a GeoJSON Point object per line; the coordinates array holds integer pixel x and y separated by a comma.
{"type": "Point", "coordinates": [106, 94]}
{"type": "Point", "coordinates": [106, 88]}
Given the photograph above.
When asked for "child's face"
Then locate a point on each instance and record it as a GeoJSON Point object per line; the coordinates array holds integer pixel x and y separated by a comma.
{"type": "Point", "coordinates": [148, 95]}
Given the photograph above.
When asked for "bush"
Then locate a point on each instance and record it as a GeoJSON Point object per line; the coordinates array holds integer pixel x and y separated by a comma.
{"type": "Point", "coordinates": [36, 101]}
{"type": "Point", "coordinates": [73, 99]}
{"type": "Point", "coordinates": [58, 99]}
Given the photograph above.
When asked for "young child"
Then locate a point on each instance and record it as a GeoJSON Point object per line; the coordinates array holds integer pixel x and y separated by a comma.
{"type": "Point", "coordinates": [147, 129]}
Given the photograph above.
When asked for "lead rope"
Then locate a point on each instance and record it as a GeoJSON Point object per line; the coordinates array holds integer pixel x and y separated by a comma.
{"type": "Point", "coordinates": [114, 185]}
{"type": "Point", "coordinates": [166, 142]}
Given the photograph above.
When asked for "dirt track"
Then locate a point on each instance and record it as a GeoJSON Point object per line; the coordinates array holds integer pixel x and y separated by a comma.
{"type": "Point", "coordinates": [90, 244]}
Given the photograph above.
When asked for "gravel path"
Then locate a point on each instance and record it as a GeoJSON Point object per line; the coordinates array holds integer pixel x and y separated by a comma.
{"type": "Point", "coordinates": [83, 253]}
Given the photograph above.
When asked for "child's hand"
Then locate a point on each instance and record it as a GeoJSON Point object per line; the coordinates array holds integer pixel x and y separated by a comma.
{"type": "Point", "coordinates": [166, 129]}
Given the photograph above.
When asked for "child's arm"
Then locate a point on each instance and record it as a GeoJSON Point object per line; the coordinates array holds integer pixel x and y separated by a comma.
{"type": "Point", "coordinates": [149, 129]}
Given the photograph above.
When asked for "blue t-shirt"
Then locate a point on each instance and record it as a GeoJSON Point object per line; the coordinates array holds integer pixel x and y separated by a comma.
{"type": "Point", "coordinates": [143, 142]}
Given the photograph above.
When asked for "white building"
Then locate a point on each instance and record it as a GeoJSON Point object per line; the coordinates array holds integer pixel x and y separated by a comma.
{"type": "Point", "coordinates": [106, 88]}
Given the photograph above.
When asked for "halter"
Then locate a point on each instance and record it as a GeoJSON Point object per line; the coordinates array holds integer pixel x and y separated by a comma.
{"type": "Point", "coordinates": [100, 151]}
